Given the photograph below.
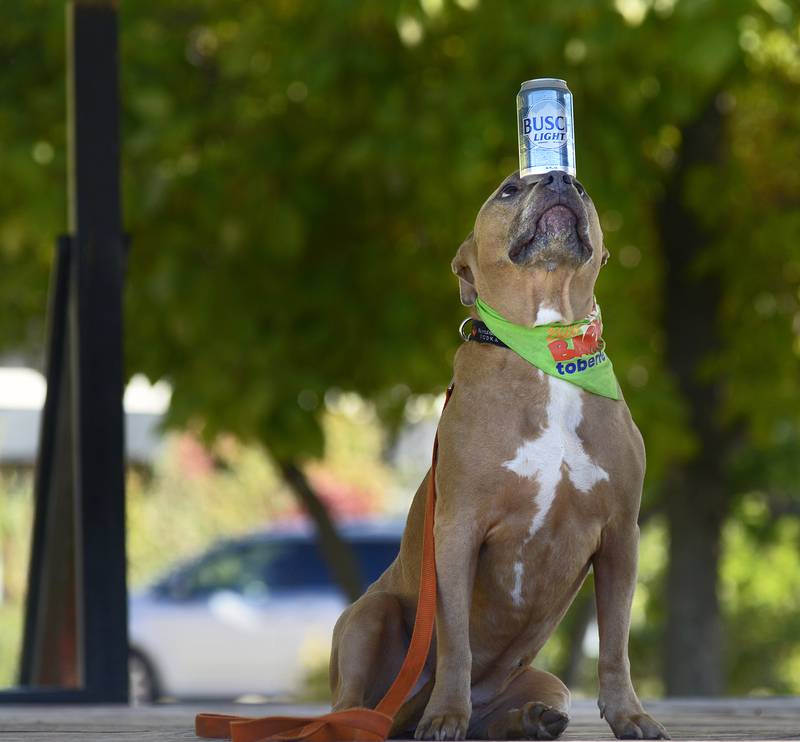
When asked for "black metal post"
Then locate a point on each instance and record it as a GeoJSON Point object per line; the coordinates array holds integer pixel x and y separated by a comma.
{"type": "Point", "coordinates": [96, 331]}
{"type": "Point", "coordinates": [49, 649]}
{"type": "Point", "coordinates": [76, 646]}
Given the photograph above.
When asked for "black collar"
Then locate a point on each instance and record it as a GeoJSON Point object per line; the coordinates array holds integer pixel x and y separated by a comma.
{"type": "Point", "coordinates": [479, 333]}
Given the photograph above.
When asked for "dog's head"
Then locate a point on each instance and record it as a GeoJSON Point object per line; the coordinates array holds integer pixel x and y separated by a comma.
{"type": "Point", "coordinates": [535, 252]}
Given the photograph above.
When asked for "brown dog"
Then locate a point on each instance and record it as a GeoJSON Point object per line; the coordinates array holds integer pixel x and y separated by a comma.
{"type": "Point", "coordinates": [538, 480]}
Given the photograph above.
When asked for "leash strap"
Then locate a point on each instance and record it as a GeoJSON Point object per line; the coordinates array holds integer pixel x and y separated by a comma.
{"type": "Point", "coordinates": [355, 723]}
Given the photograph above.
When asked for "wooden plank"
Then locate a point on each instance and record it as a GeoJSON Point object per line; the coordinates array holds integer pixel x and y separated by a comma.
{"type": "Point", "coordinates": [700, 719]}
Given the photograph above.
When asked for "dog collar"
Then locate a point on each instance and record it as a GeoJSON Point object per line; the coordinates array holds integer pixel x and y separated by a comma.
{"type": "Point", "coordinates": [479, 333]}
{"type": "Point", "coordinates": [572, 351]}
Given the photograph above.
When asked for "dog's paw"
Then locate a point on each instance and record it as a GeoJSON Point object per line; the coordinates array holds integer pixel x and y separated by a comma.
{"type": "Point", "coordinates": [535, 720]}
{"type": "Point", "coordinates": [539, 721]}
{"type": "Point", "coordinates": [634, 725]}
{"type": "Point", "coordinates": [442, 726]}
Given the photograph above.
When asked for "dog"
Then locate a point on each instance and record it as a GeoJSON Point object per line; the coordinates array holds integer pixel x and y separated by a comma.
{"type": "Point", "coordinates": [538, 481]}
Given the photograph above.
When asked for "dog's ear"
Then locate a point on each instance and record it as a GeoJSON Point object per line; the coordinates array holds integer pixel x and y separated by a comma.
{"type": "Point", "coordinates": [462, 266]}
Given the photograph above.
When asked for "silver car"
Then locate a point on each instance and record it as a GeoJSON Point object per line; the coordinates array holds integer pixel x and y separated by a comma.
{"type": "Point", "coordinates": [247, 617]}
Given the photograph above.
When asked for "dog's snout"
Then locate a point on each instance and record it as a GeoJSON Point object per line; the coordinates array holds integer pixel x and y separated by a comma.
{"type": "Point", "coordinates": [557, 180]}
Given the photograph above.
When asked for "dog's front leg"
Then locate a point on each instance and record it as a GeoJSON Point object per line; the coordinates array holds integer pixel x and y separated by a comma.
{"type": "Point", "coordinates": [615, 566]}
{"type": "Point", "coordinates": [448, 711]}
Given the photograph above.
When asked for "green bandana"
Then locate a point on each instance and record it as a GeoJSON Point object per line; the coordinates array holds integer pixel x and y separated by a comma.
{"type": "Point", "coordinates": [573, 351]}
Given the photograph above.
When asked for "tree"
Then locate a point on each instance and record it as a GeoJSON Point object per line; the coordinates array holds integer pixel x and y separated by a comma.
{"type": "Point", "coordinates": [299, 175]}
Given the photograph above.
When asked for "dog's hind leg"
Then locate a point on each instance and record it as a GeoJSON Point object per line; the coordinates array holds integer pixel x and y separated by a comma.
{"type": "Point", "coordinates": [369, 644]}
{"type": "Point", "coordinates": [534, 704]}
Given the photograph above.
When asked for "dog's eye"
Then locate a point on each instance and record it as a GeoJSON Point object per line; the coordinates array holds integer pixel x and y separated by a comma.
{"type": "Point", "coordinates": [578, 187]}
{"type": "Point", "coordinates": [509, 190]}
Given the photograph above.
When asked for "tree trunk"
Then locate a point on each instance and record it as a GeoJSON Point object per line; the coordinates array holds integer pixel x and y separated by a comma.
{"type": "Point", "coordinates": [338, 555]}
{"type": "Point", "coordinates": [694, 648]}
{"type": "Point", "coordinates": [696, 496]}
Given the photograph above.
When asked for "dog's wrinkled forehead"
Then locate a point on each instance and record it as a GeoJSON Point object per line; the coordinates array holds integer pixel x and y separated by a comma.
{"type": "Point", "coordinates": [517, 200]}
{"type": "Point", "coordinates": [513, 183]}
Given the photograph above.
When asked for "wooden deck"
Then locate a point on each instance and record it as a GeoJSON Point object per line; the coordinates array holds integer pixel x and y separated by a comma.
{"type": "Point", "coordinates": [731, 719]}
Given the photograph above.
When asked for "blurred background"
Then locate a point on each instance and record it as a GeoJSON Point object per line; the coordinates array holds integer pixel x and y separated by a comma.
{"type": "Point", "coordinates": [297, 178]}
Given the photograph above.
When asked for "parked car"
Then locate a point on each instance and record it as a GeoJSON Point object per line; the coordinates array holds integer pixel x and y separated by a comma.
{"type": "Point", "coordinates": [238, 619]}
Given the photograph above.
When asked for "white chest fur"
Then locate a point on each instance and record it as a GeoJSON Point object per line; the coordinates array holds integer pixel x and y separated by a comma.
{"type": "Point", "coordinates": [557, 452]}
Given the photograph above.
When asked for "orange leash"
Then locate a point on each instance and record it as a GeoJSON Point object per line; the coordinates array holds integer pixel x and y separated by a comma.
{"type": "Point", "coordinates": [355, 723]}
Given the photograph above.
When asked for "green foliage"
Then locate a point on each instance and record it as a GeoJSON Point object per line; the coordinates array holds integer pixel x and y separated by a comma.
{"type": "Point", "coordinates": [15, 531]}
{"type": "Point", "coordinates": [761, 598]}
{"type": "Point", "coordinates": [295, 188]}
{"type": "Point", "coordinates": [15, 528]}
{"type": "Point", "coordinates": [297, 177]}
{"type": "Point", "coordinates": [33, 163]}
{"type": "Point", "coordinates": [10, 642]}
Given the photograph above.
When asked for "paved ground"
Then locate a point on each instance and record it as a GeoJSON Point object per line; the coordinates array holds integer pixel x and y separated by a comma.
{"type": "Point", "coordinates": [728, 719]}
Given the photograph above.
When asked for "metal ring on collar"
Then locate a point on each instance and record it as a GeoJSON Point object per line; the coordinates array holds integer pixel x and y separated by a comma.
{"type": "Point", "coordinates": [461, 328]}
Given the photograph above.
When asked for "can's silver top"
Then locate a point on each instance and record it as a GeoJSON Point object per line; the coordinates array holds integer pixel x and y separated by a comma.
{"type": "Point", "coordinates": [544, 82]}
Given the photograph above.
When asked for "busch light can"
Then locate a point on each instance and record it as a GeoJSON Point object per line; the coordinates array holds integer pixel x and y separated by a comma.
{"type": "Point", "coordinates": [546, 132]}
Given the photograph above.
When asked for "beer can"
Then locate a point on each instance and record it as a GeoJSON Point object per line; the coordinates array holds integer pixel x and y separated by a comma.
{"type": "Point", "coordinates": [545, 127]}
